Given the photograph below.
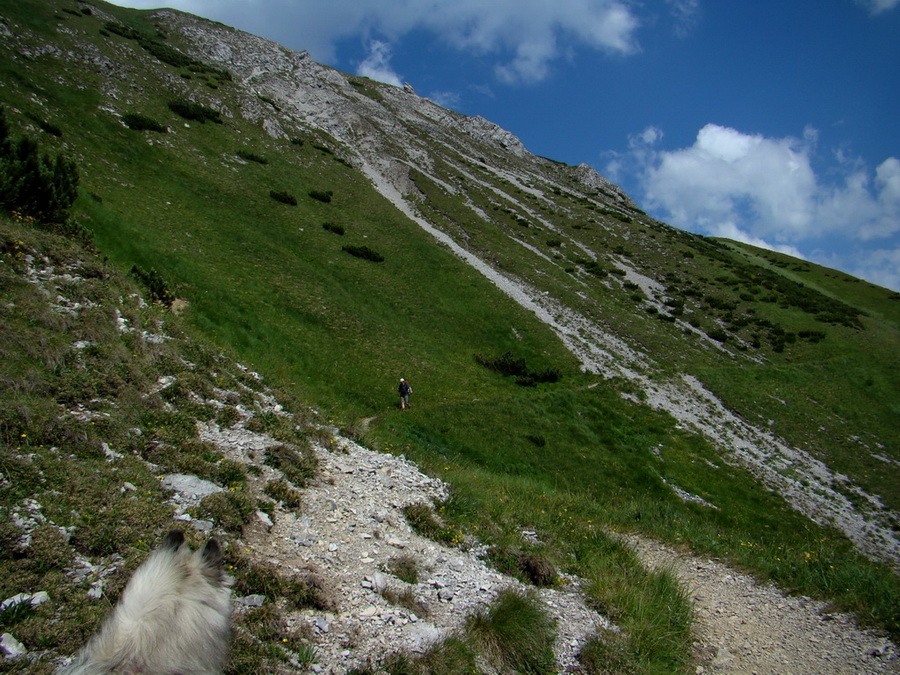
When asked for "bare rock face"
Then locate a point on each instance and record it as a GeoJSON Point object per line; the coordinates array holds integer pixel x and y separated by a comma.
{"type": "Point", "coordinates": [589, 177]}
{"type": "Point", "coordinates": [370, 119]}
{"type": "Point", "coordinates": [489, 132]}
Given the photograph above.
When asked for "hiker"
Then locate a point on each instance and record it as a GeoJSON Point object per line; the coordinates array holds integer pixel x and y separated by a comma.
{"type": "Point", "coordinates": [404, 390]}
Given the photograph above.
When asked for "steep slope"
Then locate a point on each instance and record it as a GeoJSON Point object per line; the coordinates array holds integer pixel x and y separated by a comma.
{"type": "Point", "coordinates": [577, 365]}
{"type": "Point", "coordinates": [115, 424]}
{"type": "Point", "coordinates": [427, 161]}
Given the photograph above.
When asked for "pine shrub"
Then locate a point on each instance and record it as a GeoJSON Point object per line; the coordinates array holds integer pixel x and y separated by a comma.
{"type": "Point", "coordinates": [33, 183]}
{"type": "Point", "coordinates": [283, 197]}
{"type": "Point", "coordinates": [139, 122]}
{"type": "Point", "coordinates": [154, 284]}
{"type": "Point", "coordinates": [364, 252]}
{"type": "Point", "coordinates": [252, 157]}
{"type": "Point", "coordinates": [195, 111]}
{"type": "Point", "coordinates": [321, 195]}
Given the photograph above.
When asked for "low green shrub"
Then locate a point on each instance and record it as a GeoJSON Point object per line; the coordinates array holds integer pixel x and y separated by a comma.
{"type": "Point", "coordinates": [231, 473]}
{"type": "Point", "coordinates": [363, 252]}
{"type": "Point", "coordinates": [33, 183]}
{"type": "Point", "coordinates": [452, 656]}
{"type": "Point", "coordinates": [424, 520]}
{"type": "Point", "coordinates": [321, 195]}
{"type": "Point", "coordinates": [303, 590]}
{"type": "Point", "coordinates": [512, 366]}
{"type": "Point", "coordinates": [227, 416]}
{"type": "Point", "coordinates": [297, 466]}
{"type": "Point", "coordinates": [607, 653]}
{"type": "Point", "coordinates": [717, 334]}
{"type": "Point", "coordinates": [331, 227]}
{"type": "Point", "coordinates": [195, 111]}
{"type": "Point", "coordinates": [405, 567]}
{"type": "Point", "coordinates": [44, 125]}
{"type": "Point", "coordinates": [514, 634]}
{"type": "Point", "coordinates": [139, 122]}
{"type": "Point", "coordinates": [283, 197]}
{"type": "Point", "coordinates": [251, 157]}
{"type": "Point", "coordinates": [406, 598]}
{"type": "Point", "coordinates": [153, 282]}
{"type": "Point", "coordinates": [268, 99]}
{"type": "Point", "coordinates": [530, 566]}
{"type": "Point", "coordinates": [282, 491]}
{"type": "Point", "coordinates": [230, 510]}
{"type": "Point", "coordinates": [593, 268]}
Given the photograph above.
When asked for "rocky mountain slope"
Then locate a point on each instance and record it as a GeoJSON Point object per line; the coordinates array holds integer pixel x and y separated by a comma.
{"type": "Point", "coordinates": [393, 135]}
{"type": "Point", "coordinates": [626, 377]}
{"type": "Point", "coordinates": [348, 536]}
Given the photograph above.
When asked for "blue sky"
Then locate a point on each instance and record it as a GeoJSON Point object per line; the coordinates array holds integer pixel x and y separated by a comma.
{"type": "Point", "coordinates": [775, 122]}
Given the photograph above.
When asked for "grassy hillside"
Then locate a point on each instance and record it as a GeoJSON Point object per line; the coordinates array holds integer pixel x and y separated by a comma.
{"type": "Point", "coordinates": [801, 350]}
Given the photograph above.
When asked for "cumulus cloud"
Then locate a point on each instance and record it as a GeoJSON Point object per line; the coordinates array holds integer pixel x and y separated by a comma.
{"type": "Point", "coordinates": [377, 64]}
{"type": "Point", "coordinates": [765, 191]}
{"type": "Point", "coordinates": [523, 36]}
{"type": "Point", "coordinates": [727, 178]}
{"type": "Point", "coordinates": [729, 182]}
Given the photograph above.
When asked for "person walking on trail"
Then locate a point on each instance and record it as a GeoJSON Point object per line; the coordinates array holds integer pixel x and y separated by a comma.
{"type": "Point", "coordinates": [404, 390]}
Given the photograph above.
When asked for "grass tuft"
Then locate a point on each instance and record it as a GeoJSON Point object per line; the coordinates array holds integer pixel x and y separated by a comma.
{"type": "Point", "coordinates": [514, 634]}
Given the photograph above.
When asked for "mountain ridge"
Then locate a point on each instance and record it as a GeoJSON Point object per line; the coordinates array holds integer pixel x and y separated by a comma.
{"type": "Point", "coordinates": [703, 391]}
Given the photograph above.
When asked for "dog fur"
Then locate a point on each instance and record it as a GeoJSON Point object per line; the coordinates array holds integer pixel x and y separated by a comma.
{"type": "Point", "coordinates": [174, 617]}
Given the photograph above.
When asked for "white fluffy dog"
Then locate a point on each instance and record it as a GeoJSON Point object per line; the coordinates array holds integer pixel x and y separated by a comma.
{"type": "Point", "coordinates": [174, 617]}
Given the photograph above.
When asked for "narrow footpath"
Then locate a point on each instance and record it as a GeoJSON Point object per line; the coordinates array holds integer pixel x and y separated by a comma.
{"type": "Point", "coordinates": [743, 626]}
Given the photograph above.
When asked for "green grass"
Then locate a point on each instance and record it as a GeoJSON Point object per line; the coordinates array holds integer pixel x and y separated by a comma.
{"type": "Point", "coordinates": [568, 459]}
{"type": "Point", "coordinates": [514, 634]}
{"type": "Point", "coordinates": [75, 389]}
{"type": "Point", "coordinates": [596, 470]}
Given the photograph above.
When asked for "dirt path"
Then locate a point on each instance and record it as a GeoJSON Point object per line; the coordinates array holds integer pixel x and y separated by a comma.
{"type": "Point", "coordinates": [743, 626]}
{"type": "Point", "coordinates": [352, 526]}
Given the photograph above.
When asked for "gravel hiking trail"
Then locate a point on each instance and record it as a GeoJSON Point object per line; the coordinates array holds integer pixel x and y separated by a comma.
{"type": "Point", "coordinates": [743, 626]}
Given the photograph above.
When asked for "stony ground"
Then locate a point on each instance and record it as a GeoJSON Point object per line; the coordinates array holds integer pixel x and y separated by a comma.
{"type": "Point", "coordinates": [349, 530]}
{"type": "Point", "coordinates": [746, 627]}
{"type": "Point", "coordinates": [352, 527]}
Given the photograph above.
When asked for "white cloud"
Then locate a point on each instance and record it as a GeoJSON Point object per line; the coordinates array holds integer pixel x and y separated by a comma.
{"type": "Point", "coordinates": [730, 230]}
{"type": "Point", "coordinates": [766, 188]}
{"type": "Point", "coordinates": [729, 177]}
{"type": "Point", "coordinates": [377, 64]}
{"type": "Point", "coordinates": [524, 36]}
{"type": "Point", "coordinates": [446, 99]}
{"type": "Point", "coordinates": [764, 191]}
{"type": "Point", "coordinates": [881, 266]}
{"type": "Point", "coordinates": [879, 6]}
{"type": "Point", "coordinates": [686, 14]}
{"type": "Point", "coordinates": [650, 136]}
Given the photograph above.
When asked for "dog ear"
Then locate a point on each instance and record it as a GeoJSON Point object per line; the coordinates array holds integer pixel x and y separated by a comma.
{"type": "Point", "coordinates": [173, 540]}
{"type": "Point", "coordinates": [211, 559]}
